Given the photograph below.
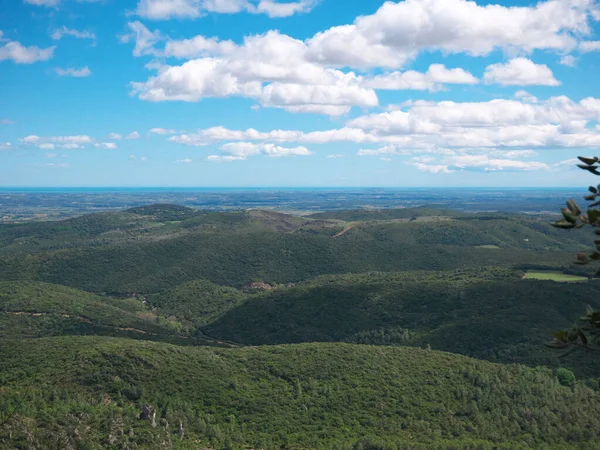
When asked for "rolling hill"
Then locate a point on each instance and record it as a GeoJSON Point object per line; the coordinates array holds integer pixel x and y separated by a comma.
{"type": "Point", "coordinates": [89, 392]}
{"type": "Point", "coordinates": [257, 329]}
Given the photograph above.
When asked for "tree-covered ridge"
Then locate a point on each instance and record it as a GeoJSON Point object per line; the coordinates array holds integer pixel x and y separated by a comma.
{"type": "Point", "coordinates": [237, 248]}
{"type": "Point", "coordinates": [358, 296]}
{"type": "Point", "coordinates": [88, 392]}
{"type": "Point", "coordinates": [35, 309]}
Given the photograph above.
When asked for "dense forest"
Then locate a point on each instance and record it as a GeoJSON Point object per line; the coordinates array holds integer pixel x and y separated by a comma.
{"type": "Point", "coordinates": [168, 327]}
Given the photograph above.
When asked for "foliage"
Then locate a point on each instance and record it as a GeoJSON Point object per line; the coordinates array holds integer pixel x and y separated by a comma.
{"type": "Point", "coordinates": [565, 376]}
{"type": "Point", "coordinates": [587, 333]}
{"type": "Point", "coordinates": [488, 313]}
{"type": "Point", "coordinates": [88, 392]}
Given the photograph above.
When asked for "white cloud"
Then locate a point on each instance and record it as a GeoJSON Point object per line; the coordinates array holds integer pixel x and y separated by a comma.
{"type": "Point", "coordinates": [301, 76]}
{"type": "Point", "coordinates": [275, 9]}
{"type": "Point", "coordinates": [568, 60]}
{"type": "Point", "coordinates": [64, 31]}
{"type": "Point", "coordinates": [196, 47]}
{"type": "Point", "coordinates": [184, 161]}
{"type": "Point", "coordinates": [557, 122]}
{"type": "Point", "coordinates": [72, 72]}
{"type": "Point", "coordinates": [7, 122]}
{"type": "Point", "coordinates": [168, 9]}
{"type": "Point", "coordinates": [275, 59]}
{"type": "Point", "coordinates": [335, 156]}
{"type": "Point", "coordinates": [133, 135]}
{"type": "Point", "coordinates": [5, 145]}
{"type": "Point", "coordinates": [235, 151]}
{"type": "Point", "coordinates": [115, 136]}
{"type": "Point", "coordinates": [162, 131]}
{"type": "Point", "coordinates": [526, 97]}
{"type": "Point", "coordinates": [106, 145]}
{"type": "Point", "coordinates": [192, 9]}
{"type": "Point", "coordinates": [46, 146]}
{"type": "Point", "coordinates": [226, 158]}
{"type": "Point", "coordinates": [19, 54]}
{"type": "Point", "coordinates": [78, 139]}
{"type": "Point", "coordinates": [398, 31]}
{"type": "Point", "coordinates": [589, 46]}
{"type": "Point", "coordinates": [476, 163]}
{"type": "Point", "coordinates": [433, 80]}
{"type": "Point", "coordinates": [520, 72]}
{"type": "Point", "coordinates": [43, 2]}
{"type": "Point", "coordinates": [144, 38]}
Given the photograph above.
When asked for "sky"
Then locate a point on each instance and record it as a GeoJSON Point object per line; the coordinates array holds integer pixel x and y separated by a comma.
{"type": "Point", "coordinates": [298, 93]}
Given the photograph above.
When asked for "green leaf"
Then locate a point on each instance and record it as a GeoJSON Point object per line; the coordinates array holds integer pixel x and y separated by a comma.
{"type": "Point", "coordinates": [593, 190]}
{"type": "Point", "coordinates": [594, 205]}
{"type": "Point", "coordinates": [563, 224]}
{"type": "Point", "coordinates": [560, 335]}
{"type": "Point", "coordinates": [589, 198]}
{"type": "Point", "coordinates": [593, 169]}
{"type": "Point", "coordinates": [574, 207]}
{"type": "Point", "coordinates": [569, 217]}
{"type": "Point", "coordinates": [593, 215]}
{"type": "Point", "coordinates": [588, 161]}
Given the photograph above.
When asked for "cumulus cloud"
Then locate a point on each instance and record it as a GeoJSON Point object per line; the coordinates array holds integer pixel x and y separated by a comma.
{"type": "Point", "coordinates": [115, 136]}
{"type": "Point", "coordinates": [59, 33]}
{"type": "Point", "coordinates": [568, 60]}
{"type": "Point", "coordinates": [5, 145]}
{"type": "Point", "coordinates": [133, 135]}
{"type": "Point", "coordinates": [72, 72]}
{"type": "Point", "coordinates": [482, 163]}
{"type": "Point", "coordinates": [162, 131]}
{"type": "Point", "coordinates": [319, 74]}
{"type": "Point", "coordinates": [20, 54]}
{"type": "Point", "coordinates": [184, 161]}
{"type": "Point", "coordinates": [106, 145]}
{"type": "Point", "coordinates": [557, 122]}
{"type": "Point", "coordinates": [589, 46]}
{"type": "Point", "coordinates": [397, 32]}
{"type": "Point", "coordinates": [269, 68]}
{"type": "Point", "coordinates": [236, 151]}
{"type": "Point", "coordinates": [192, 9]}
{"type": "Point", "coordinates": [433, 80]}
{"type": "Point", "coordinates": [7, 122]}
{"type": "Point", "coordinates": [61, 141]}
{"type": "Point", "coordinates": [43, 2]}
{"type": "Point", "coordinates": [275, 9]}
{"type": "Point", "coordinates": [520, 72]}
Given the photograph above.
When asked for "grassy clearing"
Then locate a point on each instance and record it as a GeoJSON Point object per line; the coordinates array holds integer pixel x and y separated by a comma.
{"type": "Point", "coordinates": [554, 276]}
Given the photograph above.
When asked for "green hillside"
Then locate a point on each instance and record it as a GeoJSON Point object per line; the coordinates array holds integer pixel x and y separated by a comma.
{"type": "Point", "coordinates": [198, 302]}
{"type": "Point", "coordinates": [489, 314]}
{"type": "Point", "coordinates": [185, 312]}
{"type": "Point", "coordinates": [302, 396]}
{"type": "Point", "coordinates": [34, 309]}
{"type": "Point", "coordinates": [234, 249]}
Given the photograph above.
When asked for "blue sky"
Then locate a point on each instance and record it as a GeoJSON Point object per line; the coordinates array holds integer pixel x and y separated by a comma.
{"type": "Point", "coordinates": [302, 93]}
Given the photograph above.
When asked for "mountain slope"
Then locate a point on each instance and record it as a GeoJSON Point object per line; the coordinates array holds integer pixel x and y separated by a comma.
{"type": "Point", "coordinates": [490, 314]}
{"type": "Point", "coordinates": [302, 396]}
{"type": "Point", "coordinates": [34, 309]}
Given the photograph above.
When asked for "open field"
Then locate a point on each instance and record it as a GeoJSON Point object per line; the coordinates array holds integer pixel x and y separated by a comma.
{"type": "Point", "coordinates": [552, 275]}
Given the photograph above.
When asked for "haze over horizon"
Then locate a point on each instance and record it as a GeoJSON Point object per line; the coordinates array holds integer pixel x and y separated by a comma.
{"type": "Point", "coordinates": [309, 93]}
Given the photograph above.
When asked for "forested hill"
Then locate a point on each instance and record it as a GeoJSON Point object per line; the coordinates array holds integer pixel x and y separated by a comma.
{"type": "Point", "coordinates": [257, 329]}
